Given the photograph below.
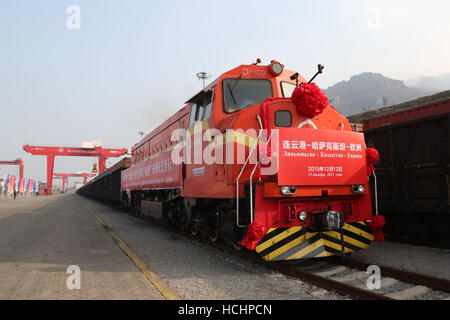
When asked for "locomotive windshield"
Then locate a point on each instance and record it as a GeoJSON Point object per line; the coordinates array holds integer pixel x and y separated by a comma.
{"type": "Point", "coordinates": [239, 93]}
{"type": "Point", "coordinates": [288, 89]}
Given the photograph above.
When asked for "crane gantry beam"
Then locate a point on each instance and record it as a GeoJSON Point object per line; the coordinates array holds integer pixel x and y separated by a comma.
{"type": "Point", "coordinates": [18, 162]}
{"type": "Point", "coordinates": [65, 177]}
{"type": "Point", "coordinates": [51, 152]}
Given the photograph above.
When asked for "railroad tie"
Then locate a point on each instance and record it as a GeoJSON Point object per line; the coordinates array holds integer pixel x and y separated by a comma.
{"type": "Point", "coordinates": [315, 266]}
{"type": "Point", "coordinates": [385, 283]}
{"type": "Point", "coordinates": [410, 293]}
{"type": "Point", "coordinates": [352, 277]}
{"type": "Point", "coordinates": [330, 272]}
{"type": "Point", "coordinates": [388, 282]}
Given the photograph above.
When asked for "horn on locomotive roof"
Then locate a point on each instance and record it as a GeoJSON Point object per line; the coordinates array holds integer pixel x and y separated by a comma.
{"type": "Point", "coordinates": [295, 77]}
{"type": "Point", "coordinates": [258, 61]}
{"type": "Point", "coordinates": [319, 71]}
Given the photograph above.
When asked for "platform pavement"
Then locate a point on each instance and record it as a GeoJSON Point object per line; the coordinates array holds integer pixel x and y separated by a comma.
{"type": "Point", "coordinates": [41, 236]}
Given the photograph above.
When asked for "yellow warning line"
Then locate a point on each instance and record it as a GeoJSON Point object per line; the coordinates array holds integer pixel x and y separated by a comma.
{"type": "Point", "coordinates": [160, 285]}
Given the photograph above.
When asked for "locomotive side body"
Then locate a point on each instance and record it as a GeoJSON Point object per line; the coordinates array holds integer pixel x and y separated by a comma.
{"type": "Point", "coordinates": [222, 165]}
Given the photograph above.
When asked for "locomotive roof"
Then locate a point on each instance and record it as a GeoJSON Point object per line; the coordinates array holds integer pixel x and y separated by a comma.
{"type": "Point", "coordinates": [185, 108]}
{"type": "Point", "coordinates": [206, 89]}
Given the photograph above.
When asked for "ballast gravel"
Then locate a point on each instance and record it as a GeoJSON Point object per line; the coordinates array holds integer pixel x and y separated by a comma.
{"type": "Point", "coordinates": [424, 260]}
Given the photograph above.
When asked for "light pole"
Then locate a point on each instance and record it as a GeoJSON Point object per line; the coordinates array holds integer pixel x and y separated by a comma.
{"type": "Point", "coordinates": [203, 76]}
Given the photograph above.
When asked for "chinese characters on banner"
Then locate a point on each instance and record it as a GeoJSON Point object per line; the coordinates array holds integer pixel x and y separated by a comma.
{"type": "Point", "coordinates": [321, 157]}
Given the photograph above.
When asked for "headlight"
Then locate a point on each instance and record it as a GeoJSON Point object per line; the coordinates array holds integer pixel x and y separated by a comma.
{"type": "Point", "coordinates": [358, 188]}
{"type": "Point", "coordinates": [302, 215]}
{"type": "Point", "coordinates": [276, 68]}
{"type": "Point", "coordinates": [288, 190]}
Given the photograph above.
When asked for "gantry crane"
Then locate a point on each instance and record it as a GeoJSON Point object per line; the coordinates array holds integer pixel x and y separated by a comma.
{"type": "Point", "coordinates": [65, 180]}
{"type": "Point", "coordinates": [65, 177]}
{"type": "Point", "coordinates": [18, 162]}
{"type": "Point", "coordinates": [52, 152]}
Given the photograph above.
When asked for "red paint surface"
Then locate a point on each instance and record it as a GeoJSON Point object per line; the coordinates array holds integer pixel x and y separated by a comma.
{"type": "Point", "coordinates": [159, 172]}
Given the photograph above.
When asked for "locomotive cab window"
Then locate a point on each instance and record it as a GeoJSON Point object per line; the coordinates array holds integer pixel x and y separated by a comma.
{"type": "Point", "coordinates": [283, 118]}
{"type": "Point", "coordinates": [192, 115]}
{"type": "Point", "coordinates": [207, 111]}
{"type": "Point", "coordinates": [201, 109]}
{"type": "Point", "coordinates": [239, 93]}
{"type": "Point", "coordinates": [199, 114]}
{"type": "Point", "coordinates": [287, 88]}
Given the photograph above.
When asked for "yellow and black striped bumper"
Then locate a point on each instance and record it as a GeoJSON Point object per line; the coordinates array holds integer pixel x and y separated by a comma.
{"type": "Point", "coordinates": [294, 243]}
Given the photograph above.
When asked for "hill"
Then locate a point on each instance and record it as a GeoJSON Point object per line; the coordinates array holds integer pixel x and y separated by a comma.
{"type": "Point", "coordinates": [439, 83]}
{"type": "Point", "coordinates": [369, 91]}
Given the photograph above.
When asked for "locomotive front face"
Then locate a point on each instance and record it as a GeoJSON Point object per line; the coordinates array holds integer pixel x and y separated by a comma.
{"type": "Point", "coordinates": [319, 203]}
{"type": "Point", "coordinates": [317, 200]}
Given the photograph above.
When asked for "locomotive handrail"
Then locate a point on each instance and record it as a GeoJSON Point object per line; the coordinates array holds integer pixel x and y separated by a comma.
{"type": "Point", "coordinates": [376, 192]}
{"type": "Point", "coordinates": [252, 214]}
{"type": "Point", "coordinates": [240, 174]}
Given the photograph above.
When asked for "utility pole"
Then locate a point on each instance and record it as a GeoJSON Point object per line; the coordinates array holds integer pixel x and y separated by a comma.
{"type": "Point", "coordinates": [203, 76]}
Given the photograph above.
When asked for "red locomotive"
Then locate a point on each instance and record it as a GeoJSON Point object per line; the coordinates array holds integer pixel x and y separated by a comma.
{"type": "Point", "coordinates": [259, 159]}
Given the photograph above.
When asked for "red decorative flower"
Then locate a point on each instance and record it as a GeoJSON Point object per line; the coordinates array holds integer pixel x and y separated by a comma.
{"type": "Point", "coordinates": [372, 155]}
{"type": "Point", "coordinates": [376, 227]}
{"type": "Point", "coordinates": [310, 100]}
{"type": "Point", "coordinates": [254, 234]}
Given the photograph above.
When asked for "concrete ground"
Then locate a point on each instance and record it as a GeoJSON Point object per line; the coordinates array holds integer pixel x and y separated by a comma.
{"type": "Point", "coordinates": [40, 237]}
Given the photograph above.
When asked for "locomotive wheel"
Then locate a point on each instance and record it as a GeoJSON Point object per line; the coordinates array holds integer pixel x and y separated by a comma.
{"type": "Point", "coordinates": [213, 237]}
{"type": "Point", "coordinates": [137, 208]}
{"type": "Point", "coordinates": [236, 245]}
{"type": "Point", "coordinates": [184, 220]}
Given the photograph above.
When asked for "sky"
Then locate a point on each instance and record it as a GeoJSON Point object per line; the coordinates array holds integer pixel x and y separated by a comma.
{"type": "Point", "coordinates": [131, 64]}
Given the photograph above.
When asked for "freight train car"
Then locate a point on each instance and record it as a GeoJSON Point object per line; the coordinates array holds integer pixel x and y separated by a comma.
{"type": "Point", "coordinates": [258, 159]}
{"type": "Point", "coordinates": [414, 169]}
{"type": "Point", "coordinates": [106, 186]}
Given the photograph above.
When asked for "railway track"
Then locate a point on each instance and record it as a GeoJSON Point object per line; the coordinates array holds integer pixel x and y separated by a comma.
{"type": "Point", "coordinates": [345, 276]}
{"type": "Point", "coordinates": [348, 277]}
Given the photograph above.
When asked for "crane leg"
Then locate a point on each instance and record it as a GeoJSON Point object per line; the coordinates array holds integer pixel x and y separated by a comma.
{"type": "Point", "coordinates": [50, 163]}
